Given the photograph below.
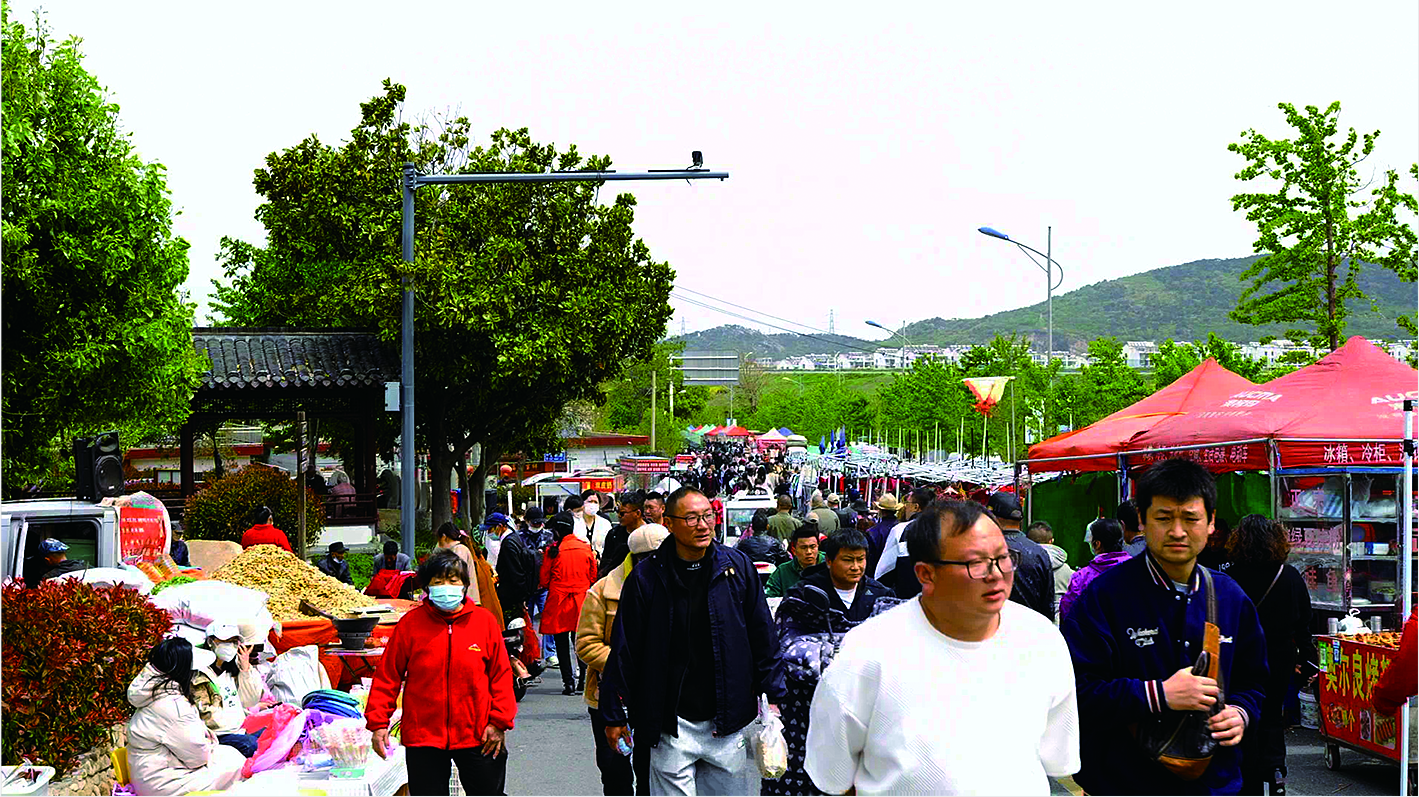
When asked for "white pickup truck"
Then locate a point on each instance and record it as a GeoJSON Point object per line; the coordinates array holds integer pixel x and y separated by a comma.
{"type": "Point", "coordinates": [100, 534]}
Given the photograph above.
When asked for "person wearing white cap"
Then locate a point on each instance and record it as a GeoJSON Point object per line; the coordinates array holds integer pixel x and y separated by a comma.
{"type": "Point", "coordinates": [593, 646]}
{"type": "Point", "coordinates": [225, 685]}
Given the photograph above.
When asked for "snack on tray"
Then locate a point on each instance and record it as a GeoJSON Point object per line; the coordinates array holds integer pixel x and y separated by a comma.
{"type": "Point", "coordinates": [287, 580]}
{"type": "Point", "coordinates": [1384, 639]}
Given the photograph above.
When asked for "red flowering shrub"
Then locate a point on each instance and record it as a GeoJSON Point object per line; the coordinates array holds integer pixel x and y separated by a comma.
{"type": "Point", "coordinates": [71, 649]}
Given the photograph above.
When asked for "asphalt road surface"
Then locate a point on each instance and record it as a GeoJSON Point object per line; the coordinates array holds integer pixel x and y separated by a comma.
{"type": "Point", "coordinates": [551, 752]}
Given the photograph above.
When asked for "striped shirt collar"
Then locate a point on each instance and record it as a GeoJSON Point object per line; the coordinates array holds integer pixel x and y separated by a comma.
{"type": "Point", "coordinates": [1161, 579]}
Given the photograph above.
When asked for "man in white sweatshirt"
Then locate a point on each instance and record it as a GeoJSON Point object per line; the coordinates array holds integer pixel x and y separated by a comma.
{"type": "Point", "coordinates": [960, 691]}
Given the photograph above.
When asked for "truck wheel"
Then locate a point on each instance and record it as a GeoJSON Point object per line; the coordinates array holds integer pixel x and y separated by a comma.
{"type": "Point", "coordinates": [1332, 757]}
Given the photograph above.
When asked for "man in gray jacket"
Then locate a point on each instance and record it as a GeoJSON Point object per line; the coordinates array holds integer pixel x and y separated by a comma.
{"type": "Point", "coordinates": [1043, 535]}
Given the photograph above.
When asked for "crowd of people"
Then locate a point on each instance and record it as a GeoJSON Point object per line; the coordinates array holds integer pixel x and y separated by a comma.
{"type": "Point", "coordinates": [922, 645]}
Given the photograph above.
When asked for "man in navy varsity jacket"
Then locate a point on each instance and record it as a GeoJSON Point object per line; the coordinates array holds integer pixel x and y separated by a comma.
{"type": "Point", "coordinates": [1135, 633]}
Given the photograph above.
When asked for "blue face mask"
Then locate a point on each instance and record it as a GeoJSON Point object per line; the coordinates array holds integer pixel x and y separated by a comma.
{"type": "Point", "coordinates": [446, 596]}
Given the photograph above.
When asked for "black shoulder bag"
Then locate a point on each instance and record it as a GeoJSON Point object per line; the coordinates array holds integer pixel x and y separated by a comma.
{"type": "Point", "coordinates": [1181, 741]}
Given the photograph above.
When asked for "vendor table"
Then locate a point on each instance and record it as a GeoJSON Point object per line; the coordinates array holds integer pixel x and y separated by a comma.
{"type": "Point", "coordinates": [383, 776]}
{"type": "Point", "coordinates": [1348, 672]}
{"type": "Point", "coordinates": [356, 664]}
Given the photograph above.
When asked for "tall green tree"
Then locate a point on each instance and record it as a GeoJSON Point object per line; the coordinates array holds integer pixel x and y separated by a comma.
{"type": "Point", "coordinates": [1175, 360]}
{"type": "Point", "coordinates": [529, 296]}
{"type": "Point", "coordinates": [1106, 385]}
{"type": "Point", "coordinates": [1318, 225]}
{"type": "Point", "coordinates": [96, 330]}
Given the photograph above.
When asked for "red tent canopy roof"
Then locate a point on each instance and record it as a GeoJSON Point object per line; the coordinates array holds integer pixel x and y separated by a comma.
{"type": "Point", "coordinates": [737, 431]}
{"type": "Point", "coordinates": [1202, 386]}
{"type": "Point", "coordinates": [1354, 393]}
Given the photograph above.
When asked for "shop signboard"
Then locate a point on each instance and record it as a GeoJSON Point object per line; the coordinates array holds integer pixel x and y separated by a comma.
{"type": "Point", "coordinates": [1348, 672]}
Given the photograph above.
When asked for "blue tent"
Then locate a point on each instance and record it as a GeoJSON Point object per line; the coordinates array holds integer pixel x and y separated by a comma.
{"type": "Point", "coordinates": [784, 431]}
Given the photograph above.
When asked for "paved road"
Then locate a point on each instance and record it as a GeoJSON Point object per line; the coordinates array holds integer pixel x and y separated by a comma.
{"type": "Point", "coordinates": [552, 753]}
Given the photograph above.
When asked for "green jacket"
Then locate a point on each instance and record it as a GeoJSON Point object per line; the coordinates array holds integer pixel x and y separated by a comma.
{"type": "Point", "coordinates": [782, 579]}
{"type": "Point", "coordinates": [782, 524]}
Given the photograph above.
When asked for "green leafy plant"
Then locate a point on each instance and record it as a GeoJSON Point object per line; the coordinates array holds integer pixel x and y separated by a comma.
{"type": "Point", "coordinates": [223, 510]}
{"type": "Point", "coordinates": [71, 649]}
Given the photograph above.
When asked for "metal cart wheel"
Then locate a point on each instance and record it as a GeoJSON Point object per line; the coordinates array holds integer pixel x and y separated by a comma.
{"type": "Point", "coordinates": [1332, 757]}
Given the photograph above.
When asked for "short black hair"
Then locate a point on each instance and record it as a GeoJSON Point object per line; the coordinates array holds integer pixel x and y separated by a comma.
{"type": "Point", "coordinates": [1127, 514]}
{"type": "Point", "coordinates": [442, 564]}
{"type": "Point", "coordinates": [807, 531]}
{"type": "Point", "coordinates": [1108, 533]}
{"type": "Point", "coordinates": [655, 496]}
{"type": "Point", "coordinates": [760, 522]}
{"type": "Point", "coordinates": [1178, 479]}
{"type": "Point", "coordinates": [924, 534]}
{"type": "Point", "coordinates": [844, 540]}
{"type": "Point", "coordinates": [390, 547]}
{"type": "Point", "coordinates": [588, 493]}
{"type": "Point", "coordinates": [572, 504]}
{"type": "Point", "coordinates": [635, 498]}
{"type": "Point", "coordinates": [672, 504]}
{"type": "Point", "coordinates": [923, 496]}
{"type": "Point", "coordinates": [263, 515]}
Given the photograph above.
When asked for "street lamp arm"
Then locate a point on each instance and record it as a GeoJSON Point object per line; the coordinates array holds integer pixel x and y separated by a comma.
{"type": "Point", "coordinates": [1037, 263]}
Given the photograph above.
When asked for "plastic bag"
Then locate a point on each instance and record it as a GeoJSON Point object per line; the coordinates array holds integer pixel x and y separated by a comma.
{"type": "Point", "coordinates": [296, 673]}
{"type": "Point", "coordinates": [770, 748]}
{"type": "Point", "coordinates": [287, 725]}
{"type": "Point", "coordinates": [202, 602]}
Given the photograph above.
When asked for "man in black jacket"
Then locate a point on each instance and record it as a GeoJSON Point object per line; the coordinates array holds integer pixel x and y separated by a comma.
{"type": "Point", "coordinates": [843, 576]}
{"type": "Point", "coordinates": [1034, 577]}
{"type": "Point", "coordinates": [617, 539]}
{"type": "Point", "coordinates": [333, 564]}
{"type": "Point", "coordinates": [517, 566]}
{"type": "Point", "coordinates": [692, 649]}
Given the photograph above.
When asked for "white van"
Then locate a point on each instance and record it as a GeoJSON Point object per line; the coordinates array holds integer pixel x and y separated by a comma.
{"type": "Point", "coordinates": [100, 535]}
{"type": "Point", "coordinates": [739, 513]}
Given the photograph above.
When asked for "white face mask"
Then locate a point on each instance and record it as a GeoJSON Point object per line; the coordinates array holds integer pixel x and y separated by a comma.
{"type": "Point", "coordinates": [225, 651]}
{"type": "Point", "coordinates": [590, 509]}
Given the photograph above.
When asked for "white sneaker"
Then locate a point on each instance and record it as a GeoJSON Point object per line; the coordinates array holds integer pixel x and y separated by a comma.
{"type": "Point", "coordinates": [552, 662]}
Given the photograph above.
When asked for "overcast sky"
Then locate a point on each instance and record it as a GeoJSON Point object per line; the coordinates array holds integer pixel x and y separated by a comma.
{"type": "Point", "coordinates": [864, 148]}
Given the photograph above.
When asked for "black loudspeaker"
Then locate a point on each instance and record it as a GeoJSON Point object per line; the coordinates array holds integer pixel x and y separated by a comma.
{"type": "Point", "coordinates": [98, 467]}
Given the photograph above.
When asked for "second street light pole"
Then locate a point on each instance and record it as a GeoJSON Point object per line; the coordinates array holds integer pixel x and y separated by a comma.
{"type": "Point", "coordinates": [411, 182]}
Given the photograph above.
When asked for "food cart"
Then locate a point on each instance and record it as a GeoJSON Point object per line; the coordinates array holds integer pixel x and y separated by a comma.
{"type": "Point", "coordinates": [1349, 668]}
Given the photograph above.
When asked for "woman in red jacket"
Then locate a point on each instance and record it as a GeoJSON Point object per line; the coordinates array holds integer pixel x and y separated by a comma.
{"type": "Point", "coordinates": [568, 571]}
{"type": "Point", "coordinates": [448, 656]}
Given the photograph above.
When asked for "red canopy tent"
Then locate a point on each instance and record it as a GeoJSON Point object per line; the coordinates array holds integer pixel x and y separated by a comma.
{"type": "Point", "coordinates": [1095, 447]}
{"type": "Point", "coordinates": [737, 431]}
{"type": "Point", "coordinates": [1345, 409]}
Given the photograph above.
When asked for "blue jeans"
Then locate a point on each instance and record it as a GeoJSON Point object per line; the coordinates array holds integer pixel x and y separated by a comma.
{"type": "Point", "coordinates": [535, 605]}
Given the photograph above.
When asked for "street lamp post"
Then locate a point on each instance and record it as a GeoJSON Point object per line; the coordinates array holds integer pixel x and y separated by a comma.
{"type": "Point", "coordinates": [412, 181]}
{"type": "Point", "coordinates": [901, 360]}
{"type": "Point", "coordinates": [1048, 268]}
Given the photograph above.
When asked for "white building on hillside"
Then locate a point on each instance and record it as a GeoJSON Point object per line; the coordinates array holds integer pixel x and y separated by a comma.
{"type": "Point", "coordinates": [1139, 353]}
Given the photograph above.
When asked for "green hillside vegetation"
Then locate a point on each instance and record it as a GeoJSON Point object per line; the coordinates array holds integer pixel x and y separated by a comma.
{"type": "Point", "coordinates": [1184, 302]}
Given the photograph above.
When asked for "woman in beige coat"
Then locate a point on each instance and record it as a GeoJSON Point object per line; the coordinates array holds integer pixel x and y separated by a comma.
{"type": "Point", "coordinates": [170, 749]}
{"type": "Point", "coordinates": [593, 646]}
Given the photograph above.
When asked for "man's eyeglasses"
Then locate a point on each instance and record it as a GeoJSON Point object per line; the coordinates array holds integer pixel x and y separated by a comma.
{"type": "Point", "coordinates": [704, 519]}
{"type": "Point", "coordinates": [979, 569]}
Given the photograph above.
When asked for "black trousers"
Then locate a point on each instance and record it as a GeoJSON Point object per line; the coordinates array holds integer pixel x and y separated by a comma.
{"type": "Point", "coordinates": [615, 768]}
{"type": "Point", "coordinates": [565, 658]}
{"type": "Point", "coordinates": [429, 769]}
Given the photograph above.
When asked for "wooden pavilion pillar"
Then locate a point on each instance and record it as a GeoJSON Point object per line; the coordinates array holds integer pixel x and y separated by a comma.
{"type": "Point", "coordinates": [188, 479]}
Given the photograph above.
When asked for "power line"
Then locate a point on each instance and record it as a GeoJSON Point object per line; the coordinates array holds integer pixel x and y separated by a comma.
{"type": "Point", "coordinates": [756, 312]}
{"type": "Point", "coordinates": [837, 344]}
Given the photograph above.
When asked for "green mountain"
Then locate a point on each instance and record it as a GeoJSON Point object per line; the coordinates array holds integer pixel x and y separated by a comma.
{"type": "Point", "coordinates": [1180, 302]}
{"type": "Point", "coordinates": [744, 340]}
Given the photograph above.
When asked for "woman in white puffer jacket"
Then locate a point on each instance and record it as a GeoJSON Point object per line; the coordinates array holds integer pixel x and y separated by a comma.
{"type": "Point", "coordinates": [170, 750]}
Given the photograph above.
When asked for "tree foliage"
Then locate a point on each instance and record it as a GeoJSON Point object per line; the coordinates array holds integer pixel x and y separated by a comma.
{"type": "Point", "coordinates": [96, 332]}
{"type": "Point", "coordinates": [1319, 225]}
{"type": "Point", "coordinates": [1106, 384]}
{"type": "Point", "coordinates": [529, 296]}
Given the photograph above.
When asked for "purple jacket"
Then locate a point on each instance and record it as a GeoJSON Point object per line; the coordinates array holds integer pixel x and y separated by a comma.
{"type": "Point", "coordinates": [1084, 575]}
